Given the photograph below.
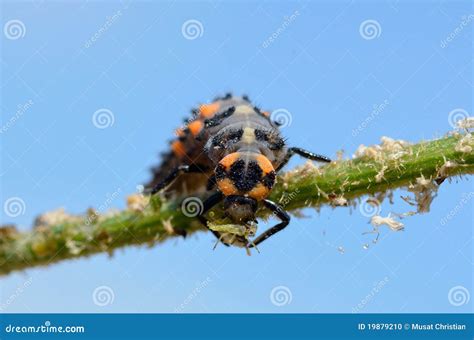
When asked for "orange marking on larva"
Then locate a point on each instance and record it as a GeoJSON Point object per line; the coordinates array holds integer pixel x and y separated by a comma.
{"type": "Point", "coordinates": [230, 159]}
{"type": "Point", "coordinates": [266, 113]}
{"type": "Point", "coordinates": [260, 192]}
{"type": "Point", "coordinates": [265, 164]}
{"type": "Point", "coordinates": [227, 187]}
{"type": "Point", "coordinates": [209, 110]}
{"type": "Point", "coordinates": [178, 148]}
{"type": "Point", "coordinates": [196, 127]}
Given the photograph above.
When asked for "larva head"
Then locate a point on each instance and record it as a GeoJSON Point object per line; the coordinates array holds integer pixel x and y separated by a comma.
{"type": "Point", "coordinates": [244, 178]}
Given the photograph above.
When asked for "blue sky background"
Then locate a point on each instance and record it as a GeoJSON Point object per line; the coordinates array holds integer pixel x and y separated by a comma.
{"type": "Point", "coordinates": [319, 67]}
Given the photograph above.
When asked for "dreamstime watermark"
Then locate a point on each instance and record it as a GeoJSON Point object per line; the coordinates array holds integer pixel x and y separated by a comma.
{"type": "Point", "coordinates": [465, 199]}
{"type": "Point", "coordinates": [465, 21]}
{"type": "Point", "coordinates": [14, 206]}
{"type": "Point", "coordinates": [194, 293]}
{"type": "Point", "coordinates": [103, 296]}
{"type": "Point", "coordinates": [18, 291]}
{"type": "Point", "coordinates": [94, 214]}
{"type": "Point", "coordinates": [47, 328]}
{"type": "Point", "coordinates": [459, 296]}
{"type": "Point", "coordinates": [290, 197]}
{"type": "Point", "coordinates": [282, 117]}
{"type": "Point", "coordinates": [370, 29]}
{"type": "Point", "coordinates": [103, 118]}
{"type": "Point", "coordinates": [376, 111]}
{"type": "Point", "coordinates": [14, 29]}
{"type": "Point", "coordinates": [287, 22]}
{"type": "Point", "coordinates": [285, 201]}
{"type": "Point", "coordinates": [21, 109]}
{"type": "Point", "coordinates": [192, 206]}
{"type": "Point", "coordinates": [281, 296]}
{"type": "Point", "coordinates": [109, 21]}
{"type": "Point", "coordinates": [377, 287]}
{"type": "Point", "coordinates": [370, 207]}
{"type": "Point", "coordinates": [457, 115]}
{"type": "Point", "coordinates": [192, 29]}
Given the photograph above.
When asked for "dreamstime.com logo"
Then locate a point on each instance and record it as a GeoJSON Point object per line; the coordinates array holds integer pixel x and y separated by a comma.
{"type": "Point", "coordinates": [200, 286]}
{"type": "Point", "coordinates": [192, 207]}
{"type": "Point", "coordinates": [94, 215]}
{"type": "Point", "coordinates": [14, 207]}
{"type": "Point", "coordinates": [103, 118]}
{"type": "Point", "coordinates": [15, 295]}
{"type": "Point", "coordinates": [370, 29]}
{"type": "Point", "coordinates": [281, 296]}
{"type": "Point", "coordinates": [285, 200]}
{"type": "Point", "coordinates": [286, 23]}
{"type": "Point", "coordinates": [370, 207]}
{"type": "Point", "coordinates": [459, 296]}
{"type": "Point", "coordinates": [21, 110]}
{"type": "Point", "coordinates": [103, 296]}
{"type": "Point", "coordinates": [465, 21]}
{"type": "Point", "coordinates": [457, 115]}
{"type": "Point", "coordinates": [46, 328]}
{"type": "Point", "coordinates": [464, 201]}
{"type": "Point", "coordinates": [14, 29]}
{"type": "Point", "coordinates": [192, 29]}
{"type": "Point", "coordinates": [282, 117]}
{"type": "Point", "coordinates": [109, 21]}
{"type": "Point", "coordinates": [377, 287]}
{"type": "Point", "coordinates": [376, 111]}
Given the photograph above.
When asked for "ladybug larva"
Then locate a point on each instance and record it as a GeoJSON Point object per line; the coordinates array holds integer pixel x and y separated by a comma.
{"type": "Point", "coordinates": [233, 150]}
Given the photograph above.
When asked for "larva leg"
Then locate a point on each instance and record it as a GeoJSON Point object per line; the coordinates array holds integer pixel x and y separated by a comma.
{"type": "Point", "coordinates": [303, 153]}
{"type": "Point", "coordinates": [182, 169]}
{"type": "Point", "coordinates": [281, 214]}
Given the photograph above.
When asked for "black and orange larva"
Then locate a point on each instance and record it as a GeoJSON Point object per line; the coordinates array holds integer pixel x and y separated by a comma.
{"type": "Point", "coordinates": [233, 150]}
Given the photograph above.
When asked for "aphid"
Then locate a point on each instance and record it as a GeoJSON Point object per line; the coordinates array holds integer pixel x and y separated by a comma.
{"type": "Point", "coordinates": [235, 234]}
{"type": "Point", "coordinates": [232, 150]}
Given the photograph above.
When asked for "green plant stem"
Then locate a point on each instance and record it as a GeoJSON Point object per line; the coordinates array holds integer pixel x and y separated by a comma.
{"type": "Point", "coordinates": [381, 168]}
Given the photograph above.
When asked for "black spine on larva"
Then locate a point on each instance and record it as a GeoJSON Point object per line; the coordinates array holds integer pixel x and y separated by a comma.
{"type": "Point", "coordinates": [275, 141]}
{"type": "Point", "coordinates": [219, 118]}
